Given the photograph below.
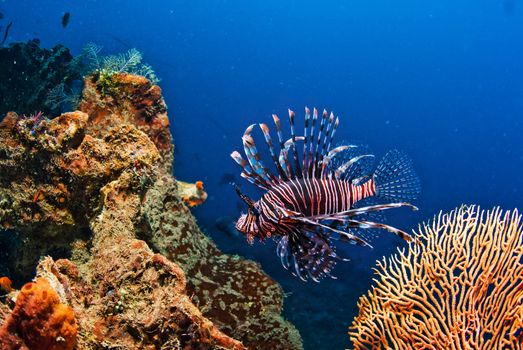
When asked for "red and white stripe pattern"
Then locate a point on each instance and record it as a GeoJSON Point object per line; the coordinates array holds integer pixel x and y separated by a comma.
{"type": "Point", "coordinates": [311, 197]}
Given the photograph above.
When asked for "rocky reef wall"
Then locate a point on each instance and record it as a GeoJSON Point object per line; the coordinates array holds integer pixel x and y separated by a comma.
{"type": "Point", "coordinates": [96, 186]}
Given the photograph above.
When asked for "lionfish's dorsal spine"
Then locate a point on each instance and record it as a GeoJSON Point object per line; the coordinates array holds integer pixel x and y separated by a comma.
{"type": "Point", "coordinates": [305, 165]}
{"type": "Point", "coordinates": [254, 158]}
{"type": "Point", "coordinates": [316, 153]}
{"type": "Point", "coordinates": [268, 140]}
{"type": "Point", "coordinates": [284, 158]}
{"type": "Point", "coordinates": [294, 151]}
{"type": "Point", "coordinates": [311, 146]}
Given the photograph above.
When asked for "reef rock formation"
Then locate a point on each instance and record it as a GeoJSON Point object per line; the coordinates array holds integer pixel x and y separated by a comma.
{"type": "Point", "coordinates": [461, 287]}
{"type": "Point", "coordinates": [39, 71]}
{"type": "Point", "coordinates": [96, 185]}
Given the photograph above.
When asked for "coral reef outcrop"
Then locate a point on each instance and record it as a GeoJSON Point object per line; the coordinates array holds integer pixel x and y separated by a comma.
{"type": "Point", "coordinates": [461, 287]}
{"type": "Point", "coordinates": [96, 186]}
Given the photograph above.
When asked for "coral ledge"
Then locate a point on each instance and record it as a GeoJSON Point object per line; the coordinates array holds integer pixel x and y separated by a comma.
{"type": "Point", "coordinates": [95, 188]}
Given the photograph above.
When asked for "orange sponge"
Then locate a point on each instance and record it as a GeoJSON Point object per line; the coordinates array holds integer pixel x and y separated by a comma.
{"type": "Point", "coordinates": [39, 320]}
{"type": "Point", "coordinates": [5, 284]}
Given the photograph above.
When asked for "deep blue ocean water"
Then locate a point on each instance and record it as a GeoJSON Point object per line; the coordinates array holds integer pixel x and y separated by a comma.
{"type": "Point", "coordinates": [441, 80]}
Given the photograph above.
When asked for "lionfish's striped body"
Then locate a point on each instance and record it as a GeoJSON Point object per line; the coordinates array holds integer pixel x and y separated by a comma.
{"type": "Point", "coordinates": [311, 201]}
{"type": "Point", "coordinates": [312, 197]}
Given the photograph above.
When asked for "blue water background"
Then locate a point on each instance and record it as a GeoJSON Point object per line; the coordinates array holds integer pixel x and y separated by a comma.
{"type": "Point", "coordinates": [441, 80]}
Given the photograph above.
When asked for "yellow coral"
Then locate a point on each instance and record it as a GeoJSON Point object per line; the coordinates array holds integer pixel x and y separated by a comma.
{"type": "Point", "coordinates": [460, 287]}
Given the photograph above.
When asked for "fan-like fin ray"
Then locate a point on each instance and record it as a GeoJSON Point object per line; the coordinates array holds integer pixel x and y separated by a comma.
{"type": "Point", "coordinates": [294, 151]}
{"type": "Point", "coordinates": [268, 140]}
{"type": "Point", "coordinates": [305, 164]}
{"type": "Point", "coordinates": [288, 168]}
{"type": "Point", "coordinates": [368, 224]}
{"type": "Point", "coordinates": [330, 155]}
{"type": "Point", "coordinates": [248, 173]}
{"type": "Point", "coordinates": [330, 127]}
{"type": "Point", "coordinates": [316, 167]}
{"type": "Point", "coordinates": [343, 168]}
{"type": "Point", "coordinates": [311, 146]}
{"type": "Point", "coordinates": [254, 158]}
{"type": "Point", "coordinates": [353, 239]}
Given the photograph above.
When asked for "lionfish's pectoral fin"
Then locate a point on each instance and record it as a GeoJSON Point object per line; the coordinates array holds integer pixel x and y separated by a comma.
{"type": "Point", "coordinates": [365, 210]}
{"type": "Point", "coordinates": [369, 224]}
{"type": "Point", "coordinates": [345, 235]}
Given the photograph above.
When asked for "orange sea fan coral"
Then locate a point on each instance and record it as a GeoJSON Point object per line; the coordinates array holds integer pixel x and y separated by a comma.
{"type": "Point", "coordinates": [39, 320]}
{"type": "Point", "coordinates": [459, 287]}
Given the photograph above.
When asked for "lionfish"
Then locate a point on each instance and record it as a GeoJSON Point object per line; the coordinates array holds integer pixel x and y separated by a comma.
{"type": "Point", "coordinates": [318, 199]}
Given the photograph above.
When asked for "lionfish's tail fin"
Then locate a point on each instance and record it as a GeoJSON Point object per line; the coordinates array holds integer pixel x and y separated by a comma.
{"type": "Point", "coordinates": [396, 179]}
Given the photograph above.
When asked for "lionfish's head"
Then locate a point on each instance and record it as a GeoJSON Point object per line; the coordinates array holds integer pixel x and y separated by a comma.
{"type": "Point", "coordinates": [249, 224]}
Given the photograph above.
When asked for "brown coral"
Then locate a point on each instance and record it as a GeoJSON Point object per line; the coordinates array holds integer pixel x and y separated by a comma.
{"type": "Point", "coordinates": [460, 288]}
{"type": "Point", "coordinates": [39, 320]}
{"type": "Point", "coordinates": [90, 183]}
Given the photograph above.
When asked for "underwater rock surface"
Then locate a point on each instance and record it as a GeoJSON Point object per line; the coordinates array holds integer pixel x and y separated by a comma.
{"type": "Point", "coordinates": [97, 184]}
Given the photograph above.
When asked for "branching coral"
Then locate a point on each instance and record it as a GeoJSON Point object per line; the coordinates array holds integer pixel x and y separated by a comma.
{"type": "Point", "coordinates": [461, 287]}
{"type": "Point", "coordinates": [128, 62]}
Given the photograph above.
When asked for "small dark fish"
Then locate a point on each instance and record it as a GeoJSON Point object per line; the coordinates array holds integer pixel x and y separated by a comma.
{"type": "Point", "coordinates": [6, 33]}
{"type": "Point", "coordinates": [65, 19]}
{"type": "Point", "coordinates": [1, 15]}
{"type": "Point", "coordinates": [227, 179]}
